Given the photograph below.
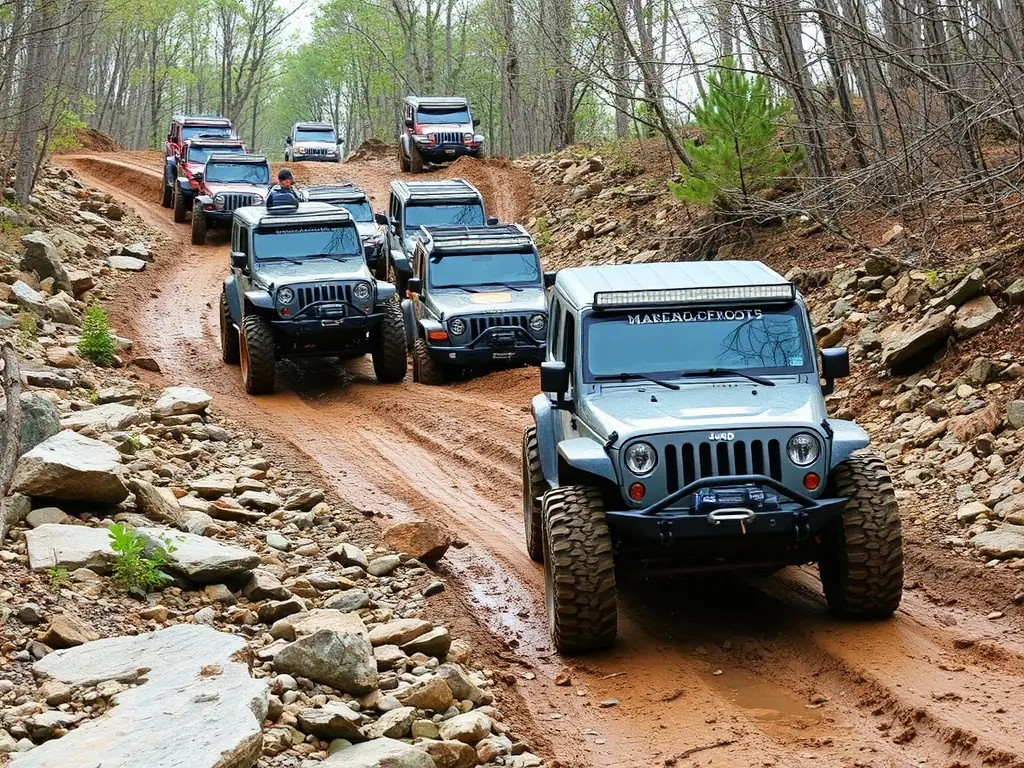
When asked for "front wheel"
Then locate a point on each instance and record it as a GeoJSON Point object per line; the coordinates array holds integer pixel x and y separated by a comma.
{"type": "Point", "coordinates": [403, 161]}
{"type": "Point", "coordinates": [257, 356]}
{"type": "Point", "coordinates": [167, 200]}
{"type": "Point", "coordinates": [533, 490]}
{"type": "Point", "coordinates": [425, 369]}
{"type": "Point", "coordinates": [229, 350]}
{"type": "Point", "coordinates": [861, 562]}
{"type": "Point", "coordinates": [389, 345]}
{"type": "Point", "coordinates": [415, 160]}
{"type": "Point", "coordinates": [198, 224]}
{"type": "Point", "coordinates": [579, 570]}
{"type": "Point", "coordinates": [180, 205]}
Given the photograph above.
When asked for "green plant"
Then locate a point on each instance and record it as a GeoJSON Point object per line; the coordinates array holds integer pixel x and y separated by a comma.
{"type": "Point", "coordinates": [543, 232]}
{"type": "Point", "coordinates": [741, 154]}
{"type": "Point", "coordinates": [28, 327]}
{"type": "Point", "coordinates": [97, 343]}
{"type": "Point", "coordinates": [94, 398]}
{"type": "Point", "coordinates": [59, 578]}
{"type": "Point", "coordinates": [138, 567]}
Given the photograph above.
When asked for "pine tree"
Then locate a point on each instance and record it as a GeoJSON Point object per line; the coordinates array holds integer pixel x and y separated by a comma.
{"type": "Point", "coordinates": [740, 121]}
{"type": "Point", "coordinates": [96, 343]}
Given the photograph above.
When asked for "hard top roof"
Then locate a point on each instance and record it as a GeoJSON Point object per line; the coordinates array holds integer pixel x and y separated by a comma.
{"type": "Point", "coordinates": [304, 213]}
{"type": "Point", "coordinates": [214, 141]}
{"type": "Point", "coordinates": [579, 284]}
{"type": "Point", "coordinates": [447, 189]}
{"type": "Point", "coordinates": [314, 126]}
{"type": "Point", "coordinates": [502, 237]}
{"type": "Point", "coordinates": [237, 157]}
{"type": "Point", "coordinates": [439, 102]}
{"type": "Point", "coordinates": [326, 192]}
{"type": "Point", "coordinates": [202, 120]}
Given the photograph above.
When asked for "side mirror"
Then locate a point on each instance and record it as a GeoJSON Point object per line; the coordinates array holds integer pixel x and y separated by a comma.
{"type": "Point", "coordinates": [549, 279]}
{"type": "Point", "coordinates": [170, 137]}
{"type": "Point", "coordinates": [381, 218]}
{"type": "Point", "coordinates": [554, 377]}
{"type": "Point", "coordinates": [198, 175]}
{"type": "Point", "coordinates": [492, 221]}
{"type": "Point", "coordinates": [476, 122]}
{"type": "Point", "coordinates": [287, 139]}
{"type": "Point", "coordinates": [414, 285]}
{"type": "Point", "coordinates": [239, 260]}
{"type": "Point", "coordinates": [408, 122]}
{"type": "Point", "coordinates": [835, 364]}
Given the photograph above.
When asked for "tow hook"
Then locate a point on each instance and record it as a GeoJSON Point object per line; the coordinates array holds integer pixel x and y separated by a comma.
{"type": "Point", "coordinates": [665, 531]}
{"type": "Point", "coordinates": [802, 525]}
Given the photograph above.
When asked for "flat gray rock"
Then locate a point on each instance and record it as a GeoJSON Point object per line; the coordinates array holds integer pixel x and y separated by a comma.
{"type": "Point", "coordinates": [72, 467]}
{"type": "Point", "coordinates": [1005, 541]}
{"type": "Point", "coordinates": [105, 418]}
{"type": "Point", "coordinates": [340, 657]}
{"type": "Point", "coordinates": [126, 263]}
{"type": "Point", "coordinates": [198, 707]}
{"type": "Point", "coordinates": [379, 753]}
{"type": "Point", "coordinates": [175, 401]}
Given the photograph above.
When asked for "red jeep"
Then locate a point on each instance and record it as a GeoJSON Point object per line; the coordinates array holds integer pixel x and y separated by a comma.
{"type": "Point", "coordinates": [182, 130]}
{"type": "Point", "coordinates": [190, 167]}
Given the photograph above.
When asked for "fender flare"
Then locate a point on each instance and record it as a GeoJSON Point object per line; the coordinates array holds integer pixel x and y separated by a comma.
{"type": "Point", "coordinates": [185, 186]}
{"type": "Point", "coordinates": [232, 295]}
{"type": "Point", "coordinates": [544, 419]}
{"type": "Point", "coordinates": [259, 299]}
{"type": "Point", "coordinates": [847, 437]}
{"type": "Point", "coordinates": [426, 326]}
{"type": "Point", "coordinates": [385, 291]}
{"type": "Point", "coordinates": [401, 263]}
{"type": "Point", "coordinates": [204, 200]}
{"type": "Point", "coordinates": [170, 170]}
{"type": "Point", "coordinates": [588, 456]}
{"type": "Point", "coordinates": [409, 315]}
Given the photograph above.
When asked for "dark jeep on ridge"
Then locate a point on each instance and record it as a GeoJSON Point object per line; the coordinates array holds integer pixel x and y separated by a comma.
{"type": "Point", "coordinates": [299, 287]}
{"type": "Point", "coordinates": [477, 301]}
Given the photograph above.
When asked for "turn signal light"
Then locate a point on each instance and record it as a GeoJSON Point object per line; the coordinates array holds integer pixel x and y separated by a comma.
{"type": "Point", "coordinates": [437, 335]}
{"type": "Point", "coordinates": [811, 481]}
{"type": "Point", "coordinates": [637, 491]}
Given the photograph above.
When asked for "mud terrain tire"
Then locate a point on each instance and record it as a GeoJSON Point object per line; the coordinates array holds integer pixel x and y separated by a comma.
{"type": "Point", "coordinates": [198, 224]}
{"type": "Point", "coordinates": [180, 205]}
{"type": "Point", "coordinates": [403, 161]}
{"type": "Point", "coordinates": [229, 344]}
{"type": "Point", "coordinates": [257, 356]}
{"type": "Point", "coordinates": [415, 160]}
{"type": "Point", "coordinates": [861, 562]}
{"type": "Point", "coordinates": [167, 198]}
{"type": "Point", "coordinates": [390, 361]}
{"type": "Point", "coordinates": [534, 487]}
{"type": "Point", "coordinates": [425, 369]}
{"type": "Point", "coordinates": [579, 570]}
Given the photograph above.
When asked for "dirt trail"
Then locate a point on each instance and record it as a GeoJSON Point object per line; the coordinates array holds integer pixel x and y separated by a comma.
{"type": "Point", "coordinates": [713, 671]}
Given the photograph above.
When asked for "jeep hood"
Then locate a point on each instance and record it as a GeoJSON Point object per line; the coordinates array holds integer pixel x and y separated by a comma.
{"type": "Point", "coordinates": [244, 189]}
{"type": "Point", "coordinates": [194, 168]}
{"type": "Point", "coordinates": [313, 271]}
{"type": "Point", "coordinates": [366, 228]}
{"type": "Point", "coordinates": [460, 128]}
{"type": "Point", "coordinates": [490, 300]}
{"type": "Point", "coordinates": [699, 407]}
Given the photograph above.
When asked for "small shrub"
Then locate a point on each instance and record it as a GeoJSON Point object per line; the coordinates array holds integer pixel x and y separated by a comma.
{"type": "Point", "coordinates": [543, 232]}
{"type": "Point", "coordinates": [59, 578]}
{"type": "Point", "coordinates": [28, 328]}
{"type": "Point", "coordinates": [136, 567]}
{"type": "Point", "coordinates": [97, 343]}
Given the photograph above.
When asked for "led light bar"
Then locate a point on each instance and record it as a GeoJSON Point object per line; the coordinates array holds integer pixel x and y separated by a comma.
{"type": "Point", "coordinates": [784, 292]}
{"type": "Point", "coordinates": [282, 220]}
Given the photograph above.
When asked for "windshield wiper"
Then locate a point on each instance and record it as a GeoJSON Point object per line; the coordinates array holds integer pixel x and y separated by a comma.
{"type": "Point", "coordinates": [504, 285]}
{"type": "Point", "coordinates": [280, 258]}
{"type": "Point", "coordinates": [465, 288]}
{"type": "Point", "coordinates": [635, 377]}
{"type": "Point", "coordinates": [334, 256]}
{"type": "Point", "coordinates": [729, 372]}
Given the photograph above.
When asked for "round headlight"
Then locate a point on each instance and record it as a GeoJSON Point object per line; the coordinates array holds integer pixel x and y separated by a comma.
{"type": "Point", "coordinates": [803, 449]}
{"type": "Point", "coordinates": [537, 322]}
{"type": "Point", "coordinates": [641, 458]}
{"type": "Point", "coordinates": [257, 200]}
{"type": "Point", "coordinates": [218, 201]}
{"type": "Point", "coordinates": [457, 326]}
{"type": "Point", "coordinates": [285, 296]}
{"type": "Point", "coordinates": [361, 291]}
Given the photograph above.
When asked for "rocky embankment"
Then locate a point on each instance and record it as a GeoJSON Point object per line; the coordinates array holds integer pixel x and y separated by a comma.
{"type": "Point", "coordinates": [287, 632]}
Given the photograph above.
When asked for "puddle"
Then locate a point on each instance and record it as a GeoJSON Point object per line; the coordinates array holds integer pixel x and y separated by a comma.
{"type": "Point", "coordinates": [765, 701]}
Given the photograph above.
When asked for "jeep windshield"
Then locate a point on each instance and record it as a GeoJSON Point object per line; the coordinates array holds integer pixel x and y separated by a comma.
{"type": "Point", "coordinates": [238, 173]}
{"type": "Point", "coordinates": [449, 215]}
{"type": "Point", "coordinates": [208, 131]}
{"type": "Point", "coordinates": [480, 270]}
{"type": "Point", "coordinates": [306, 241]}
{"type": "Point", "coordinates": [458, 116]}
{"type": "Point", "coordinates": [315, 134]}
{"type": "Point", "coordinates": [202, 154]}
{"type": "Point", "coordinates": [695, 342]}
{"type": "Point", "coordinates": [359, 210]}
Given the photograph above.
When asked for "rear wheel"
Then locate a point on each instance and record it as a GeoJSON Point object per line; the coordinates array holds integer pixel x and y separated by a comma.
{"type": "Point", "coordinates": [425, 369]}
{"type": "Point", "coordinates": [415, 160]}
{"type": "Point", "coordinates": [861, 562]}
{"type": "Point", "coordinates": [533, 490]}
{"type": "Point", "coordinates": [390, 361]}
{"type": "Point", "coordinates": [403, 161]}
{"type": "Point", "coordinates": [579, 570]}
{"type": "Point", "coordinates": [180, 205]}
{"type": "Point", "coordinates": [229, 350]}
{"type": "Point", "coordinates": [257, 356]}
{"type": "Point", "coordinates": [198, 224]}
{"type": "Point", "coordinates": [167, 199]}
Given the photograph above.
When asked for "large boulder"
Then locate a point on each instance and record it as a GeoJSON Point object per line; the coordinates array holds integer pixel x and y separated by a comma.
{"type": "Point", "coordinates": [966, 289]}
{"type": "Point", "coordinates": [901, 348]}
{"type": "Point", "coordinates": [1005, 541]}
{"type": "Point", "coordinates": [41, 257]}
{"type": "Point", "coordinates": [975, 316]}
{"type": "Point", "coordinates": [332, 721]}
{"type": "Point", "coordinates": [379, 753]}
{"type": "Point", "coordinates": [72, 467]}
{"type": "Point", "coordinates": [196, 703]}
{"type": "Point", "coordinates": [340, 657]}
{"type": "Point", "coordinates": [40, 420]}
{"type": "Point", "coordinates": [419, 539]}
{"type": "Point", "coordinates": [27, 297]}
{"type": "Point", "coordinates": [103, 418]}
{"type": "Point", "coordinates": [177, 401]}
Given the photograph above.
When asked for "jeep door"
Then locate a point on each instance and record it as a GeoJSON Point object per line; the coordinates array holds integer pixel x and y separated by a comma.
{"type": "Point", "coordinates": [241, 277]}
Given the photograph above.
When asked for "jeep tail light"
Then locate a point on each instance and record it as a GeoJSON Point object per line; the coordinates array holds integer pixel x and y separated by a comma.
{"type": "Point", "coordinates": [637, 491]}
{"type": "Point", "coordinates": [812, 481]}
{"type": "Point", "coordinates": [437, 335]}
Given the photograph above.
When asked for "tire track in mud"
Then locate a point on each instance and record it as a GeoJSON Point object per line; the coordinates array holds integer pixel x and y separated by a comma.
{"type": "Point", "coordinates": [708, 671]}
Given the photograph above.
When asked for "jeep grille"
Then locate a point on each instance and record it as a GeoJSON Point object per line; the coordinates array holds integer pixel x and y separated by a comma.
{"type": "Point", "coordinates": [700, 459]}
{"type": "Point", "coordinates": [234, 200]}
{"type": "Point", "coordinates": [448, 137]}
{"type": "Point", "coordinates": [478, 325]}
{"type": "Point", "coordinates": [314, 294]}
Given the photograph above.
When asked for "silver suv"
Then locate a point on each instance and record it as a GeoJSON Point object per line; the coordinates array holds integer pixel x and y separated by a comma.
{"type": "Point", "coordinates": [313, 142]}
{"type": "Point", "coordinates": [683, 426]}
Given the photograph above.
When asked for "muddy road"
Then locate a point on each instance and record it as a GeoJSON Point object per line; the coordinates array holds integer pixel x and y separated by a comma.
{"type": "Point", "coordinates": [708, 672]}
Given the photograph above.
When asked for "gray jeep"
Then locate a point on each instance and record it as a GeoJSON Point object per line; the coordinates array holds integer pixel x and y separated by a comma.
{"type": "Point", "coordinates": [477, 301]}
{"type": "Point", "coordinates": [683, 427]}
{"type": "Point", "coordinates": [299, 287]}
{"type": "Point", "coordinates": [228, 181]}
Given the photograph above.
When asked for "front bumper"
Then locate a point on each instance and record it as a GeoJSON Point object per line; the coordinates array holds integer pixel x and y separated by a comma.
{"type": "Point", "coordinates": [796, 517]}
{"type": "Point", "coordinates": [495, 346]}
{"type": "Point", "coordinates": [219, 216]}
{"type": "Point", "coordinates": [330, 326]}
{"type": "Point", "coordinates": [315, 158]}
{"type": "Point", "coordinates": [446, 151]}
